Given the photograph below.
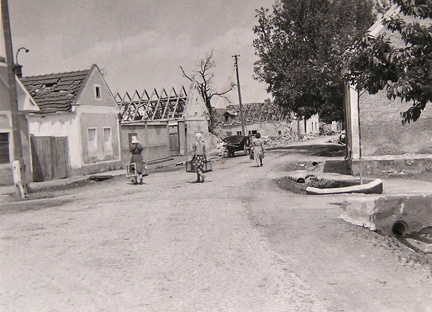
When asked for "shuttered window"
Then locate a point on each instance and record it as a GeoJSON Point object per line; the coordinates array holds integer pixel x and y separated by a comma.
{"type": "Point", "coordinates": [4, 148]}
{"type": "Point", "coordinates": [107, 143]}
{"type": "Point", "coordinates": [92, 141]}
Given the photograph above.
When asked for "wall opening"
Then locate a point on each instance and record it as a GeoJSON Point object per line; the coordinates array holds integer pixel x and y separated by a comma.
{"type": "Point", "coordinates": [97, 92]}
{"type": "Point", "coordinates": [400, 228]}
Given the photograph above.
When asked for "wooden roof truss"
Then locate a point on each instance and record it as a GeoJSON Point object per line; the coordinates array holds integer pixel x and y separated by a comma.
{"type": "Point", "coordinates": [157, 106]}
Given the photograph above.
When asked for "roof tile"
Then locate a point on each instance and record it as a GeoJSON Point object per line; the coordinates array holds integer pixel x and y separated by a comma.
{"type": "Point", "coordinates": [55, 92]}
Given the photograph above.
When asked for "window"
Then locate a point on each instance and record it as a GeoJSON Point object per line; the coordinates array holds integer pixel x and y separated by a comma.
{"type": "Point", "coordinates": [229, 133]}
{"type": "Point", "coordinates": [239, 133]}
{"type": "Point", "coordinates": [4, 148]}
{"type": "Point", "coordinates": [91, 141]}
{"type": "Point", "coordinates": [107, 141]}
{"type": "Point", "coordinates": [253, 132]}
{"type": "Point", "coordinates": [97, 92]}
{"type": "Point", "coordinates": [279, 132]}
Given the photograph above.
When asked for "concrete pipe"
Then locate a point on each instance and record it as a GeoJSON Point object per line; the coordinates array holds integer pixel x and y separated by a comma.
{"type": "Point", "coordinates": [400, 228]}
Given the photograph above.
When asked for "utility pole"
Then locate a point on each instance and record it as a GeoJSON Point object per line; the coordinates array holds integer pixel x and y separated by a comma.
{"type": "Point", "coordinates": [18, 168]}
{"type": "Point", "coordinates": [239, 93]}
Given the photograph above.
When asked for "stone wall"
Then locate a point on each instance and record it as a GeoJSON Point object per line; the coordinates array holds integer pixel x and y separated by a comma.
{"type": "Point", "coordinates": [382, 131]}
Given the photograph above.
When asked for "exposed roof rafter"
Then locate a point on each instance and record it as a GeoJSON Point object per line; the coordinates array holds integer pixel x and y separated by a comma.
{"type": "Point", "coordinates": [157, 106]}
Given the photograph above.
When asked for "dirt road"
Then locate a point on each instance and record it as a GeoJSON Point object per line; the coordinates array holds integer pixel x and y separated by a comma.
{"type": "Point", "coordinates": [235, 243]}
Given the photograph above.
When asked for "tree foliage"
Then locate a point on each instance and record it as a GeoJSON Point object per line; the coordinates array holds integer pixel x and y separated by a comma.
{"type": "Point", "coordinates": [300, 46]}
{"type": "Point", "coordinates": [204, 77]}
{"type": "Point", "coordinates": [398, 61]}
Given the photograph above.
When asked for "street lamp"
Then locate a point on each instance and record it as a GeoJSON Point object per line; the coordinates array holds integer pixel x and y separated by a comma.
{"type": "Point", "coordinates": [18, 67]}
{"type": "Point", "coordinates": [16, 56]}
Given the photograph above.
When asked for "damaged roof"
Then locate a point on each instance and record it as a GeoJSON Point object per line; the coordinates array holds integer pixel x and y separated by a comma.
{"type": "Point", "coordinates": [157, 106]}
{"type": "Point", "coordinates": [55, 92]}
{"type": "Point", "coordinates": [252, 113]}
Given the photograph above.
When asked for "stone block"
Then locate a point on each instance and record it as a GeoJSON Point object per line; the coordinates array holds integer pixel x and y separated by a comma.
{"type": "Point", "coordinates": [392, 215]}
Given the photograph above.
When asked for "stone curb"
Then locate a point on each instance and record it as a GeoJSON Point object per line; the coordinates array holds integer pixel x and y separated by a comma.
{"type": "Point", "coordinates": [374, 187]}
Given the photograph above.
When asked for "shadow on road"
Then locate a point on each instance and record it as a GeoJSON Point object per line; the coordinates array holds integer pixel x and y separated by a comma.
{"type": "Point", "coordinates": [321, 150]}
{"type": "Point", "coordinates": [336, 166]}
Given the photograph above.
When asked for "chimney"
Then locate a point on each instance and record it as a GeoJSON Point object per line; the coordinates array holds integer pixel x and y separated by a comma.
{"type": "Point", "coordinates": [18, 70]}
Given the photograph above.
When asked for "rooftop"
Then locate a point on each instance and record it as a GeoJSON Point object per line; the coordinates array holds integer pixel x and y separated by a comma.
{"type": "Point", "coordinates": [55, 92]}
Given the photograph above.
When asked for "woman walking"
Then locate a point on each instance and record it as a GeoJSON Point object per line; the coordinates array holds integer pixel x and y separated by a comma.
{"type": "Point", "coordinates": [199, 156]}
{"type": "Point", "coordinates": [258, 149]}
{"type": "Point", "coordinates": [137, 158]}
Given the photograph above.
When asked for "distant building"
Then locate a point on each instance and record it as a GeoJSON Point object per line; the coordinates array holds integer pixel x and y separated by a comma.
{"type": "Point", "coordinates": [76, 130]}
{"type": "Point", "coordinates": [165, 122]}
{"type": "Point", "coordinates": [265, 118]}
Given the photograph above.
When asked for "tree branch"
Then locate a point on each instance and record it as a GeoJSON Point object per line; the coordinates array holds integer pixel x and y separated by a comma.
{"type": "Point", "coordinates": [184, 74]}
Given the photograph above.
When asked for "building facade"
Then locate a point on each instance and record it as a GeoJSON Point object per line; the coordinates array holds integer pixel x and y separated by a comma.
{"type": "Point", "coordinates": [26, 105]}
{"type": "Point", "coordinates": [164, 122]}
{"type": "Point", "coordinates": [266, 118]}
{"type": "Point", "coordinates": [377, 141]}
{"type": "Point", "coordinates": [77, 121]}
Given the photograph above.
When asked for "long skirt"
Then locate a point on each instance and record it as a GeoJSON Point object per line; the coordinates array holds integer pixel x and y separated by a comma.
{"type": "Point", "coordinates": [199, 162]}
{"type": "Point", "coordinates": [138, 160]}
{"type": "Point", "coordinates": [258, 154]}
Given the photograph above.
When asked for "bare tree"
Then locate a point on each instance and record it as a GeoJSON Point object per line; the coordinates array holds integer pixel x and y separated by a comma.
{"type": "Point", "coordinates": [204, 77]}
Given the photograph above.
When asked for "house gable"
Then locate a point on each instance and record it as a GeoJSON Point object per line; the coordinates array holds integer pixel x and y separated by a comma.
{"type": "Point", "coordinates": [195, 106]}
{"type": "Point", "coordinates": [25, 101]}
{"type": "Point", "coordinates": [95, 91]}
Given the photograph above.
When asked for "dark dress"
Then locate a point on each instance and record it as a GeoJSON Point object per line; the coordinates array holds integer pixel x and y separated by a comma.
{"type": "Point", "coordinates": [137, 158]}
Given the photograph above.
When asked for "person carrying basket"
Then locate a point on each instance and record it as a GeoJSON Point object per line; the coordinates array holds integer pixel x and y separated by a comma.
{"type": "Point", "coordinates": [137, 158]}
{"type": "Point", "coordinates": [199, 156]}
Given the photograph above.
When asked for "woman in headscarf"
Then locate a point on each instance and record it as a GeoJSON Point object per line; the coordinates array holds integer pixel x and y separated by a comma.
{"type": "Point", "coordinates": [137, 158]}
{"type": "Point", "coordinates": [199, 156]}
{"type": "Point", "coordinates": [258, 149]}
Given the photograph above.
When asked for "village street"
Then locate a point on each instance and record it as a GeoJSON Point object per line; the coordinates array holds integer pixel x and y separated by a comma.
{"type": "Point", "coordinates": [235, 243]}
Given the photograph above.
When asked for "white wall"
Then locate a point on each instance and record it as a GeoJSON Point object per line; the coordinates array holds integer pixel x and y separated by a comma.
{"type": "Point", "coordinates": [60, 125]}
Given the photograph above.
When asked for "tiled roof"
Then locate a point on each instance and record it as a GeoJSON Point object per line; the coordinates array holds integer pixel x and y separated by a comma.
{"type": "Point", "coordinates": [55, 92]}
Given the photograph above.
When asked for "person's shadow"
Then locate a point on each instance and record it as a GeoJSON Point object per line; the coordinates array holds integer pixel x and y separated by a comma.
{"type": "Point", "coordinates": [193, 182]}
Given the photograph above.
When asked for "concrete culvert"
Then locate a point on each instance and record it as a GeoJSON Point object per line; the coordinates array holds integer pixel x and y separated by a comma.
{"type": "Point", "coordinates": [400, 228]}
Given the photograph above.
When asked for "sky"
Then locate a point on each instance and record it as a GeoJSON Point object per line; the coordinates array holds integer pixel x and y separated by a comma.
{"type": "Point", "coordinates": [140, 44]}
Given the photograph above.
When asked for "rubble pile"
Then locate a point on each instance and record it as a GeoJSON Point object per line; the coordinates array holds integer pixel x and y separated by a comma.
{"type": "Point", "coordinates": [279, 141]}
{"type": "Point", "coordinates": [252, 112]}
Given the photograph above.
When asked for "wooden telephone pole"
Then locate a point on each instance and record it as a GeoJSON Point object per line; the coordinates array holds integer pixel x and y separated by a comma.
{"type": "Point", "coordinates": [18, 168]}
{"type": "Point", "coordinates": [239, 93]}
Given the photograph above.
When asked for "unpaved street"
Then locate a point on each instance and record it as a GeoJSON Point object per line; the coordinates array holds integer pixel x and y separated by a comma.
{"type": "Point", "coordinates": [235, 243]}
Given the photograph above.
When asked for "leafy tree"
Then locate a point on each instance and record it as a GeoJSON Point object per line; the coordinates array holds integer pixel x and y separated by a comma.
{"type": "Point", "coordinates": [300, 46]}
{"type": "Point", "coordinates": [204, 77]}
{"type": "Point", "coordinates": [401, 66]}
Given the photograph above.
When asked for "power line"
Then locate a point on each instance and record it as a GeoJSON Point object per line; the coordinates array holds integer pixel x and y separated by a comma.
{"type": "Point", "coordinates": [118, 13]}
